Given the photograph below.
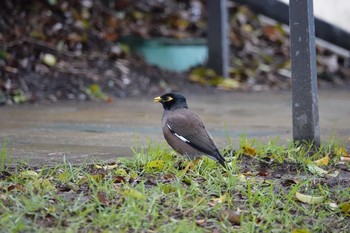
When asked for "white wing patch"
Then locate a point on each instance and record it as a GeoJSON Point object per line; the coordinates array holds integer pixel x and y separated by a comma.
{"type": "Point", "coordinates": [178, 136]}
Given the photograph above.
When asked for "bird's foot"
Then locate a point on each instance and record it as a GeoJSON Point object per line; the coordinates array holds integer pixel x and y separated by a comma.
{"type": "Point", "coordinates": [191, 165]}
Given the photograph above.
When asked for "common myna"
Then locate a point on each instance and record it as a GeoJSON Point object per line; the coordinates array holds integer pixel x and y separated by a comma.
{"type": "Point", "coordinates": [184, 130]}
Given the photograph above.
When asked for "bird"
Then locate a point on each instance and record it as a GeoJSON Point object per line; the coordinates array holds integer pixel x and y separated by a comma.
{"type": "Point", "coordinates": [184, 131]}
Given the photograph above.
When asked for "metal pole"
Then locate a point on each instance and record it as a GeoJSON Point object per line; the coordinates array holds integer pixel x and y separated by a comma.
{"type": "Point", "coordinates": [218, 44]}
{"type": "Point", "coordinates": [304, 76]}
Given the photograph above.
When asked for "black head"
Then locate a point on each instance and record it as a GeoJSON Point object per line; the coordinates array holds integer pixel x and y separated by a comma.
{"type": "Point", "coordinates": [171, 101]}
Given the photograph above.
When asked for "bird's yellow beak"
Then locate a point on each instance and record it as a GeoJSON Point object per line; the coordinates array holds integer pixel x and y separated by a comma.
{"type": "Point", "coordinates": [157, 99]}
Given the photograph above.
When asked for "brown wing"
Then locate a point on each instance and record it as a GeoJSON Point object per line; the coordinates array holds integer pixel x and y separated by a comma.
{"type": "Point", "coordinates": [189, 128]}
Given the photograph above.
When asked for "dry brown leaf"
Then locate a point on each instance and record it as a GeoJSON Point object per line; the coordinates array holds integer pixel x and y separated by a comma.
{"type": "Point", "coordinates": [112, 22]}
{"type": "Point", "coordinates": [119, 179]}
{"type": "Point", "coordinates": [168, 177]}
{"type": "Point", "coordinates": [289, 182]}
{"type": "Point", "coordinates": [111, 36]}
{"type": "Point", "coordinates": [201, 222]}
{"type": "Point", "coordinates": [272, 32]}
{"type": "Point", "coordinates": [262, 173]}
{"type": "Point", "coordinates": [103, 199]}
{"type": "Point", "coordinates": [249, 174]}
{"type": "Point", "coordinates": [18, 187]}
{"type": "Point", "coordinates": [74, 37]}
{"type": "Point", "coordinates": [233, 217]}
{"type": "Point", "coordinates": [107, 167]}
{"type": "Point", "coordinates": [249, 150]}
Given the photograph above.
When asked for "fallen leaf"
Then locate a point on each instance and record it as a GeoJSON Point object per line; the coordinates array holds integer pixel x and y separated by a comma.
{"type": "Point", "coordinates": [95, 91]}
{"type": "Point", "coordinates": [289, 182]}
{"type": "Point", "coordinates": [249, 150]}
{"type": "Point", "coordinates": [155, 164]}
{"type": "Point", "coordinates": [229, 84]}
{"type": "Point", "coordinates": [168, 177]}
{"type": "Point", "coordinates": [218, 200]}
{"type": "Point", "coordinates": [273, 32]}
{"type": "Point", "coordinates": [201, 222]}
{"type": "Point", "coordinates": [333, 174]}
{"type": "Point", "coordinates": [18, 187]}
{"type": "Point", "coordinates": [119, 179]}
{"type": "Point", "coordinates": [186, 181]}
{"type": "Point", "coordinates": [322, 162]}
{"type": "Point", "coordinates": [19, 96]}
{"type": "Point", "coordinates": [46, 184]}
{"type": "Point", "coordinates": [262, 173]}
{"type": "Point", "coordinates": [121, 172]}
{"type": "Point", "coordinates": [74, 37]}
{"type": "Point", "coordinates": [98, 177]}
{"type": "Point", "coordinates": [333, 206]}
{"type": "Point", "coordinates": [133, 174]}
{"type": "Point", "coordinates": [49, 59]}
{"type": "Point", "coordinates": [301, 231]}
{"type": "Point", "coordinates": [103, 199]}
{"type": "Point", "coordinates": [29, 174]}
{"type": "Point", "coordinates": [107, 167]}
{"type": "Point", "coordinates": [345, 208]}
{"type": "Point", "coordinates": [3, 197]}
{"type": "Point", "coordinates": [64, 177]}
{"type": "Point", "coordinates": [82, 180]}
{"type": "Point", "coordinates": [43, 184]}
{"type": "Point", "coordinates": [313, 168]}
{"type": "Point", "coordinates": [249, 174]}
{"type": "Point", "coordinates": [233, 217]}
{"type": "Point", "coordinates": [242, 177]}
{"type": "Point", "coordinates": [167, 188]}
{"type": "Point", "coordinates": [111, 36]}
{"type": "Point", "coordinates": [309, 199]}
{"type": "Point", "coordinates": [341, 151]}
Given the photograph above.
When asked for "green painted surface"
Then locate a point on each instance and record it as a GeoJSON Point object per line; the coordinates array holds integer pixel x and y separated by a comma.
{"type": "Point", "coordinates": [171, 54]}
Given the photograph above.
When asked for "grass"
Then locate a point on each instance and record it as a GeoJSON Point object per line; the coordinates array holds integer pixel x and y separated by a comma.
{"type": "Point", "coordinates": [151, 193]}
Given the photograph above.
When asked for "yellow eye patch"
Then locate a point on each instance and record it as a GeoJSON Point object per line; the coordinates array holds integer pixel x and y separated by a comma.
{"type": "Point", "coordinates": [161, 100]}
{"type": "Point", "coordinates": [168, 99]}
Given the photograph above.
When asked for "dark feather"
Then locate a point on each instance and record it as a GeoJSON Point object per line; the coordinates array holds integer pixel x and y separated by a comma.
{"type": "Point", "coordinates": [188, 125]}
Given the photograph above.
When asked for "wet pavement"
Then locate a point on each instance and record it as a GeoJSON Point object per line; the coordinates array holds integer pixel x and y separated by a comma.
{"type": "Point", "coordinates": [89, 131]}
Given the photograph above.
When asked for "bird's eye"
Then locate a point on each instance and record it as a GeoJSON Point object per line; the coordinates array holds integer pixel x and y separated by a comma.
{"type": "Point", "coordinates": [168, 99]}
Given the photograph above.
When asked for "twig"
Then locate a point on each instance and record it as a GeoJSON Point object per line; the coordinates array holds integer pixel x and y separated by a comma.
{"type": "Point", "coordinates": [77, 72]}
{"type": "Point", "coordinates": [41, 44]}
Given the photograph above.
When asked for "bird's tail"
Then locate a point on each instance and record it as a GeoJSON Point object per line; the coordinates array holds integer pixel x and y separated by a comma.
{"type": "Point", "coordinates": [220, 159]}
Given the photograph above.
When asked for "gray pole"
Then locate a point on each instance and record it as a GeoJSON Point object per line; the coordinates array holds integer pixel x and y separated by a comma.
{"type": "Point", "coordinates": [218, 44]}
{"type": "Point", "coordinates": [304, 76]}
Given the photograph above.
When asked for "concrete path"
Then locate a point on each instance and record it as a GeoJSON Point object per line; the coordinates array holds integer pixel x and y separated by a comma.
{"type": "Point", "coordinates": [82, 132]}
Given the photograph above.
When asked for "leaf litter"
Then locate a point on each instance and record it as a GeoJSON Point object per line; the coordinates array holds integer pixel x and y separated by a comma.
{"type": "Point", "coordinates": [55, 50]}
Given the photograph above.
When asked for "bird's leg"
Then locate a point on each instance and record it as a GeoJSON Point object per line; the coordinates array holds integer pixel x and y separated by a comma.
{"type": "Point", "coordinates": [192, 164]}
